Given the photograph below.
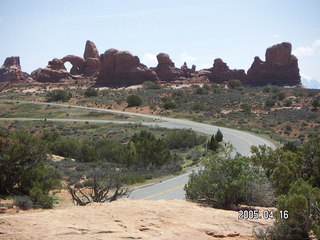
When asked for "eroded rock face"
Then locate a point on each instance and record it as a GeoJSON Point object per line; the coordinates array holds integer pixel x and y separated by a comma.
{"type": "Point", "coordinates": [166, 69]}
{"type": "Point", "coordinates": [280, 67]}
{"type": "Point", "coordinates": [90, 51]}
{"type": "Point", "coordinates": [54, 72]}
{"type": "Point", "coordinates": [11, 70]}
{"type": "Point", "coordinates": [78, 64]}
{"type": "Point", "coordinates": [121, 68]}
{"type": "Point", "coordinates": [220, 72]}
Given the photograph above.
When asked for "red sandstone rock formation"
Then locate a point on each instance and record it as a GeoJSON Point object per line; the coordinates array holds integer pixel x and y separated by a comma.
{"type": "Point", "coordinates": [166, 70]}
{"type": "Point", "coordinates": [220, 72]}
{"type": "Point", "coordinates": [78, 64]}
{"type": "Point", "coordinates": [280, 67]}
{"type": "Point", "coordinates": [11, 70]}
{"type": "Point", "coordinates": [90, 51]}
{"type": "Point", "coordinates": [54, 72]}
{"type": "Point", "coordinates": [121, 68]}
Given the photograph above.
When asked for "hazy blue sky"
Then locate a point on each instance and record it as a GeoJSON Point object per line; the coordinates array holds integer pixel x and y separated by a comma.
{"type": "Point", "coordinates": [193, 31]}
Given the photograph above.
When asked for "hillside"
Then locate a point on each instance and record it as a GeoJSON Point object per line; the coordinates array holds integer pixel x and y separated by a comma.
{"type": "Point", "coordinates": [129, 219]}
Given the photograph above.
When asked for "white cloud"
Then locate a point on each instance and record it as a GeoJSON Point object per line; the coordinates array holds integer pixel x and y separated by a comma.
{"type": "Point", "coordinates": [312, 50]}
{"type": "Point", "coordinates": [150, 59]}
{"type": "Point", "coordinates": [187, 58]}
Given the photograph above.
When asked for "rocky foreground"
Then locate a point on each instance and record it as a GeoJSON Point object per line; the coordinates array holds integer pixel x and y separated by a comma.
{"type": "Point", "coordinates": [129, 219]}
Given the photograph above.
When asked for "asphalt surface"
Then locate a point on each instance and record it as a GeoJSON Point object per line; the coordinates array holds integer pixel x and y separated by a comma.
{"type": "Point", "coordinates": [171, 188]}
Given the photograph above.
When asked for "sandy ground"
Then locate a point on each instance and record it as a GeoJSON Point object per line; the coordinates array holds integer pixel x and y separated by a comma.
{"type": "Point", "coordinates": [128, 219]}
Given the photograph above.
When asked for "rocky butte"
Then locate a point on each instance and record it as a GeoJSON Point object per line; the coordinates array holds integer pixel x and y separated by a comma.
{"type": "Point", "coordinates": [121, 68]}
{"type": "Point", "coordinates": [11, 70]}
{"type": "Point", "coordinates": [280, 67]}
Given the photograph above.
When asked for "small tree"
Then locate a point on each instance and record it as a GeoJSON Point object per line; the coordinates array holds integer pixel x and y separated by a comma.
{"type": "Point", "coordinates": [213, 144]}
{"type": "Point", "coordinates": [169, 105]}
{"type": "Point", "coordinates": [91, 92]}
{"type": "Point", "coordinates": [58, 95]}
{"type": "Point", "coordinates": [134, 100]}
{"type": "Point", "coordinates": [316, 103]}
{"type": "Point", "coordinates": [100, 187]}
{"type": "Point", "coordinates": [219, 136]}
{"type": "Point", "coordinates": [234, 84]}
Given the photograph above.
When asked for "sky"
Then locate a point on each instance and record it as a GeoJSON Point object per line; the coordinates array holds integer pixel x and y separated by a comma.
{"type": "Point", "coordinates": [193, 31]}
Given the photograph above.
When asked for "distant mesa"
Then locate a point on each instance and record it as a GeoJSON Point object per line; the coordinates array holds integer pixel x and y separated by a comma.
{"type": "Point", "coordinates": [11, 71]}
{"type": "Point", "coordinates": [122, 68]}
{"type": "Point", "coordinates": [116, 68]}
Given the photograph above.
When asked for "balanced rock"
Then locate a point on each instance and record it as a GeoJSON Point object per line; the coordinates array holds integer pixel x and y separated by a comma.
{"type": "Point", "coordinates": [90, 51]}
{"type": "Point", "coordinates": [280, 67]}
{"type": "Point", "coordinates": [54, 72]}
{"type": "Point", "coordinates": [166, 70]}
{"type": "Point", "coordinates": [121, 68]}
{"type": "Point", "coordinates": [11, 70]}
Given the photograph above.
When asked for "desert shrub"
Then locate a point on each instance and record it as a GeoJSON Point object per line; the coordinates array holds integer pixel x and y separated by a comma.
{"type": "Point", "coordinates": [233, 84]}
{"type": "Point", "coordinates": [223, 182]}
{"type": "Point", "coordinates": [316, 103]}
{"type": "Point", "coordinates": [246, 107]}
{"type": "Point", "coordinates": [66, 147]}
{"type": "Point", "coordinates": [151, 85]}
{"type": "Point", "coordinates": [184, 138]}
{"type": "Point", "coordinates": [169, 105]}
{"type": "Point", "coordinates": [58, 95]}
{"type": "Point", "coordinates": [100, 184]}
{"type": "Point", "coordinates": [24, 202]}
{"type": "Point", "coordinates": [279, 96]}
{"type": "Point", "coordinates": [134, 100]}
{"type": "Point", "coordinates": [287, 103]}
{"type": "Point", "coordinates": [270, 102]}
{"type": "Point", "coordinates": [91, 92]}
{"type": "Point", "coordinates": [88, 153]}
{"type": "Point", "coordinates": [301, 204]}
{"type": "Point", "coordinates": [40, 199]}
{"type": "Point", "coordinates": [198, 106]}
{"type": "Point", "coordinates": [199, 90]}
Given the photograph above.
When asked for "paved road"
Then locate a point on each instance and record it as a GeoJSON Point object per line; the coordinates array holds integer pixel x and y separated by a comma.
{"type": "Point", "coordinates": [171, 188]}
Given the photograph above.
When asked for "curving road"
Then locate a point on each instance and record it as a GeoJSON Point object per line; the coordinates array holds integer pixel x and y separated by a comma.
{"type": "Point", "coordinates": [171, 188]}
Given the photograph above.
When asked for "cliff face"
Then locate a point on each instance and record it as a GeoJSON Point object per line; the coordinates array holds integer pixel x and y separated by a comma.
{"type": "Point", "coordinates": [280, 67]}
{"type": "Point", "coordinates": [121, 68]}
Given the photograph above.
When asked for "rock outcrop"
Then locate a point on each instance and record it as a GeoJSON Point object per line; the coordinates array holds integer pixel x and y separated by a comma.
{"type": "Point", "coordinates": [78, 64]}
{"type": "Point", "coordinates": [11, 70]}
{"type": "Point", "coordinates": [166, 70]}
{"type": "Point", "coordinates": [121, 68]}
{"type": "Point", "coordinates": [90, 51]}
{"type": "Point", "coordinates": [280, 67]}
{"type": "Point", "coordinates": [54, 72]}
{"type": "Point", "coordinates": [221, 73]}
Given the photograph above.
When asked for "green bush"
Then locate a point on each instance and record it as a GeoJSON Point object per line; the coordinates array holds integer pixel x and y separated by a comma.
{"type": "Point", "coordinates": [184, 138]}
{"type": "Point", "coordinates": [40, 199]}
{"type": "Point", "coordinates": [66, 147]}
{"type": "Point", "coordinates": [151, 85]}
{"type": "Point", "coordinates": [224, 182]}
{"type": "Point", "coordinates": [233, 84]}
{"type": "Point", "coordinates": [91, 92]}
{"type": "Point", "coordinates": [134, 100]}
{"type": "Point", "coordinates": [23, 202]}
{"type": "Point", "coordinates": [270, 102]}
{"type": "Point", "coordinates": [58, 95]}
{"type": "Point", "coordinates": [169, 105]}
